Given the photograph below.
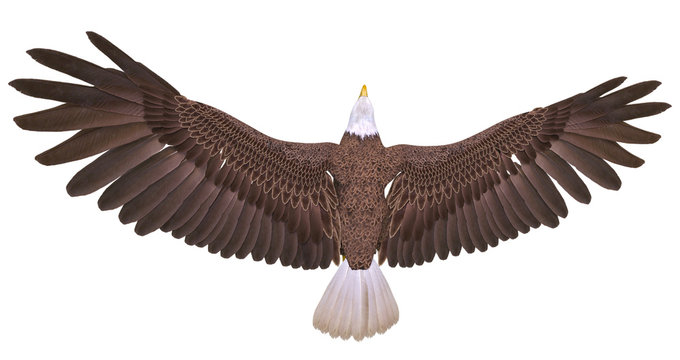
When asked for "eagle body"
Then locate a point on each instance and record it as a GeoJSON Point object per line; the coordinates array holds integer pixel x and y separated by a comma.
{"type": "Point", "coordinates": [362, 169]}
{"type": "Point", "coordinates": [180, 166]}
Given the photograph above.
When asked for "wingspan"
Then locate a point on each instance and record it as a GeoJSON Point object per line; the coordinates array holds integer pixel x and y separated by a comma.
{"type": "Point", "coordinates": [181, 166]}
{"type": "Point", "coordinates": [469, 194]}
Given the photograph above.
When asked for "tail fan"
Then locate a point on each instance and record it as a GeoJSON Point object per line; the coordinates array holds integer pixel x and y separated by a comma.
{"type": "Point", "coordinates": [357, 303]}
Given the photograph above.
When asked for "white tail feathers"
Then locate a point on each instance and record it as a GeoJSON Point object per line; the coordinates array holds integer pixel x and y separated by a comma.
{"type": "Point", "coordinates": [357, 303]}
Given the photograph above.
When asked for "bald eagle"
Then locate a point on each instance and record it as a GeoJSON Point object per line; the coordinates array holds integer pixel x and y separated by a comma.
{"type": "Point", "coordinates": [187, 168]}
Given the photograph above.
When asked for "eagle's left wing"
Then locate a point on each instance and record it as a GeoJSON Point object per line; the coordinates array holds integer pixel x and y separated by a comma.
{"type": "Point", "coordinates": [184, 167]}
{"type": "Point", "coordinates": [471, 193]}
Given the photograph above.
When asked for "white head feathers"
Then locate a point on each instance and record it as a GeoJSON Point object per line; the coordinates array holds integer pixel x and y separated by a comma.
{"type": "Point", "coordinates": [361, 121]}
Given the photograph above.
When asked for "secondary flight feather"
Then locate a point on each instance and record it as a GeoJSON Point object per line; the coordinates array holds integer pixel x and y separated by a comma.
{"type": "Point", "coordinates": [178, 165]}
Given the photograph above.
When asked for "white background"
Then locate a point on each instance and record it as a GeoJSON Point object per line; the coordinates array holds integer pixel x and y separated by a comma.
{"type": "Point", "coordinates": [77, 284]}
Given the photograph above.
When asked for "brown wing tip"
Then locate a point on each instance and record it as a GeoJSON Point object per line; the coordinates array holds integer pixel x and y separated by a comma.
{"type": "Point", "coordinates": [142, 231]}
{"type": "Point", "coordinates": [641, 89]}
{"type": "Point", "coordinates": [664, 106]}
{"type": "Point", "coordinates": [16, 84]}
{"type": "Point", "coordinates": [660, 107]}
{"type": "Point", "coordinates": [93, 36]}
{"type": "Point", "coordinates": [616, 186]}
{"type": "Point", "coordinates": [650, 85]}
{"type": "Point", "coordinates": [36, 53]}
{"type": "Point", "coordinates": [45, 159]}
{"type": "Point", "coordinates": [655, 82]}
{"type": "Point", "coordinates": [70, 189]}
{"type": "Point", "coordinates": [21, 122]}
{"type": "Point", "coordinates": [23, 85]}
{"type": "Point", "coordinates": [76, 187]}
{"type": "Point", "coordinates": [21, 119]}
{"type": "Point", "coordinates": [605, 87]}
{"type": "Point", "coordinates": [104, 204]}
{"type": "Point", "coordinates": [101, 43]}
{"type": "Point", "coordinates": [615, 82]}
{"type": "Point", "coordinates": [655, 137]}
{"type": "Point", "coordinates": [46, 57]}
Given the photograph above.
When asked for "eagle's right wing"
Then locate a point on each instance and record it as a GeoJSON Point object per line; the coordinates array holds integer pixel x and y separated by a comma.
{"type": "Point", "coordinates": [469, 194]}
{"type": "Point", "coordinates": [186, 167]}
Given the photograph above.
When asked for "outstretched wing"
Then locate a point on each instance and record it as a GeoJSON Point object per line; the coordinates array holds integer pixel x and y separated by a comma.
{"type": "Point", "coordinates": [469, 194]}
{"type": "Point", "coordinates": [185, 167]}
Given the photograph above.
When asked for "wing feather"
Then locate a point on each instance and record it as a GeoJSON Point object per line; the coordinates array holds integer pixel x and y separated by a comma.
{"type": "Point", "coordinates": [622, 132]}
{"type": "Point", "coordinates": [239, 232]}
{"type": "Point", "coordinates": [169, 206]}
{"type": "Point", "coordinates": [111, 165]}
{"type": "Point", "coordinates": [253, 232]}
{"type": "Point", "coordinates": [72, 117]}
{"type": "Point", "coordinates": [190, 205]}
{"type": "Point", "coordinates": [195, 219]}
{"type": "Point", "coordinates": [153, 195]}
{"type": "Point", "coordinates": [263, 239]}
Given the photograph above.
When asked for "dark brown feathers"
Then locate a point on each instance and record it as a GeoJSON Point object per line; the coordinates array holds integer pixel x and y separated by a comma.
{"type": "Point", "coordinates": [183, 166]}
{"type": "Point", "coordinates": [70, 117]}
{"type": "Point", "coordinates": [582, 131]}
{"type": "Point", "coordinates": [90, 142]}
{"type": "Point", "coordinates": [113, 83]}
{"type": "Point", "coordinates": [112, 165]}
{"type": "Point", "coordinates": [84, 96]}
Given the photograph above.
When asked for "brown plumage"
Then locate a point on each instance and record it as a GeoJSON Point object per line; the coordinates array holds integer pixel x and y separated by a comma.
{"type": "Point", "coordinates": [185, 167]}
{"type": "Point", "coordinates": [209, 163]}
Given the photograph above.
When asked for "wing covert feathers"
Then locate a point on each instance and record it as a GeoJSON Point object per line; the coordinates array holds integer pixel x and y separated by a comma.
{"type": "Point", "coordinates": [502, 181]}
{"type": "Point", "coordinates": [182, 166]}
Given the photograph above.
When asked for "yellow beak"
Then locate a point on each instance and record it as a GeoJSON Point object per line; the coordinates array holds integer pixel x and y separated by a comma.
{"type": "Point", "coordinates": [364, 92]}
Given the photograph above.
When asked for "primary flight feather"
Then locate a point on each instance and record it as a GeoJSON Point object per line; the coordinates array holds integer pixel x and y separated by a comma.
{"type": "Point", "coordinates": [185, 167]}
